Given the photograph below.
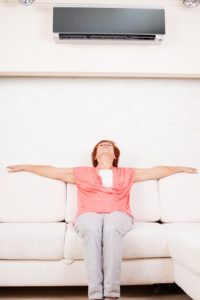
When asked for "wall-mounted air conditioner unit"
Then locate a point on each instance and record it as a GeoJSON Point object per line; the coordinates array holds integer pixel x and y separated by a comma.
{"type": "Point", "coordinates": [113, 24]}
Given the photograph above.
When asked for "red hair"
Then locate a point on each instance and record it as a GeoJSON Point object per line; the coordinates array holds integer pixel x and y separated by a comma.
{"type": "Point", "coordinates": [116, 151]}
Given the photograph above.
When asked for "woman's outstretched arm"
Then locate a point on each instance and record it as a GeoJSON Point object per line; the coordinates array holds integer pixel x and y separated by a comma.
{"type": "Point", "coordinates": [63, 174]}
{"type": "Point", "coordinates": [160, 172]}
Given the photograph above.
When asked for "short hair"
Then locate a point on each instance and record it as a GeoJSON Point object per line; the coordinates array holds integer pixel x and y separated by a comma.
{"type": "Point", "coordinates": [116, 151]}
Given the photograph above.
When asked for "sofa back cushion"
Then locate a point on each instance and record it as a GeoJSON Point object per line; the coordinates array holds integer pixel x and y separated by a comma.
{"type": "Point", "coordinates": [180, 198]}
{"type": "Point", "coordinates": [144, 201]}
{"type": "Point", "coordinates": [26, 197]}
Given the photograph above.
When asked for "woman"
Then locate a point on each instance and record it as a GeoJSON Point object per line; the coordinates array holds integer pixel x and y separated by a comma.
{"type": "Point", "coordinates": [104, 214]}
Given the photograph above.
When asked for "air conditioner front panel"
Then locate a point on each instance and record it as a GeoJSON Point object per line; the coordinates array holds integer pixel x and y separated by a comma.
{"type": "Point", "coordinates": [108, 21]}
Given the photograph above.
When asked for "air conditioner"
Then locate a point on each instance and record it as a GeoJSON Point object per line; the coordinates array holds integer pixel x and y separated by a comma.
{"type": "Point", "coordinates": [108, 24]}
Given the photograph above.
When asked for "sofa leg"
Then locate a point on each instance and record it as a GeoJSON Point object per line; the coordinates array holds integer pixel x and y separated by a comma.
{"type": "Point", "coordinates": [170, 286]}
{"type": "Point", "coordinates": [156, 288]}
{"type": "Point", "coordinates": [165, 287]}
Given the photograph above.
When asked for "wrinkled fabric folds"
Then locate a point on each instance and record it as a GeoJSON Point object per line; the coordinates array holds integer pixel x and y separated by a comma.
{"type": "Point", "coordinates": [94, 197]}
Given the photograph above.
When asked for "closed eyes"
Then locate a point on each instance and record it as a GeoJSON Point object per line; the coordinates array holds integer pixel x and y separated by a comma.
{"type": "Point", "coordinates": [105, 145]}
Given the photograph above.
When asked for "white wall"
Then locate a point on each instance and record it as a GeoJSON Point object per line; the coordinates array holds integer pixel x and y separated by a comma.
{"type": "Point", "coordinates": [57, 121]}
{"type": "Point", "coordinates": [28, 47]}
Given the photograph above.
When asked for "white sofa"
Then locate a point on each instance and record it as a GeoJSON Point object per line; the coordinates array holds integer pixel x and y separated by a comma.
{"type": "Point", "coordinates": [38, 246]}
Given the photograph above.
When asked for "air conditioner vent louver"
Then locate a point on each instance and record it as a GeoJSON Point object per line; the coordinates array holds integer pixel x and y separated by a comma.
{"type": "Point", "coordinates": [108, 37]}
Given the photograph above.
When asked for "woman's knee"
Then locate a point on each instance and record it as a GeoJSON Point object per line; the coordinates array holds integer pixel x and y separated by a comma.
{"type": "Point", "coordinates": [117, 228]}
{"type": "Point", "coordinates": [89, 230]}
{"type": "Point", "coordinates": [88, 224]}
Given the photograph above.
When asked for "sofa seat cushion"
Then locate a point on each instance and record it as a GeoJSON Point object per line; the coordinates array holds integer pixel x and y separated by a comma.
{"type": "Point", "coordinates": [184, 244]}
{"type": "Point", "coordinates": [26, 197]}
{"type": "Point", "coordinates": [145, 240]}
{"type": "Point", "coordinates": [32, 240]}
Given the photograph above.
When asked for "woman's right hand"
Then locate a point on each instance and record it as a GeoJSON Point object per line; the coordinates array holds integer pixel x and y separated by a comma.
{"type": "Point", "coordinates": [16, 168]}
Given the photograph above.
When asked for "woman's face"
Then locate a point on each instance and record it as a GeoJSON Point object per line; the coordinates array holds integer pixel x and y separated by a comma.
{"type": "Point", "coordinates": [105, 148]}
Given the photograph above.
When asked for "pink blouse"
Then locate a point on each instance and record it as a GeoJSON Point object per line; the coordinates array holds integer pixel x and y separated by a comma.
{"type": "Point", "coordinates": [94, 197]}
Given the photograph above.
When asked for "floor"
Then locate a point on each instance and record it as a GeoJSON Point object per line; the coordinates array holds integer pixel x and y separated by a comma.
{"type": "Point", "coordinates": [170, 292]}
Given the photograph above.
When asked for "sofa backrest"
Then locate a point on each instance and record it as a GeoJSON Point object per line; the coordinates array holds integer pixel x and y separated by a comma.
{"type": "Point", "coordinates": [180, 197]}
{"type": "Point", "coordinates": [144, 201]}
{"type": "Point", "coordinates": [26, 197]}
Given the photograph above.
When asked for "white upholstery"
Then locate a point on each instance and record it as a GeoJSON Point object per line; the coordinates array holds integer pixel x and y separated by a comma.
{"type": "Point", "coordinates": [59, 273]}
{"type": "Point", "coordinates": [145, 203]}
{"type": "Point", "coordinates": [146, 240]}
{"type": "Point", "coordinates": [180, 198]}
{"type": "Point", "coordinates": [38, 247]}
{"type": "Point", "coordinates": [187, 280]}
{"type": "Point", "coordinates": [42, 273]}
{"type": "Point", "coordinates": [147, 271]}
{"type": "Point", "coordinates": [144, 199]}
{"type": "Point", "coordinates": [72, 203]}
{"type": "Point", "coordinates": [25, 197]}
{"type": "Point", "coordinates": [32, 240]}
{"type": "Point", "coordinates": [184, 244]}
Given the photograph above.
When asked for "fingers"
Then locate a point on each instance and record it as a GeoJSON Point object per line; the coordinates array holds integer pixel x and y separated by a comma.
{"type": "Point", "coordinates": [10, 168]}
{"type": "Point", "coordinates": [193, 170]}
{"type": "Point", "coordinates": [190, 170]}
{"type": "Point", "coordinates": [13, 168]}
{"type": "Point", "coordinates": [16, 168]}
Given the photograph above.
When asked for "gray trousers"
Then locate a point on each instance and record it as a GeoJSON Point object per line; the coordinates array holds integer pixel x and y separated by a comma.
{"type": "Point", "coordinates": [102, 241]}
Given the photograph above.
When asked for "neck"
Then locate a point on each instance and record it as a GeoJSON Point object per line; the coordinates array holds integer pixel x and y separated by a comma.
{"type": "Point", "coordinates": [105, 163]}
